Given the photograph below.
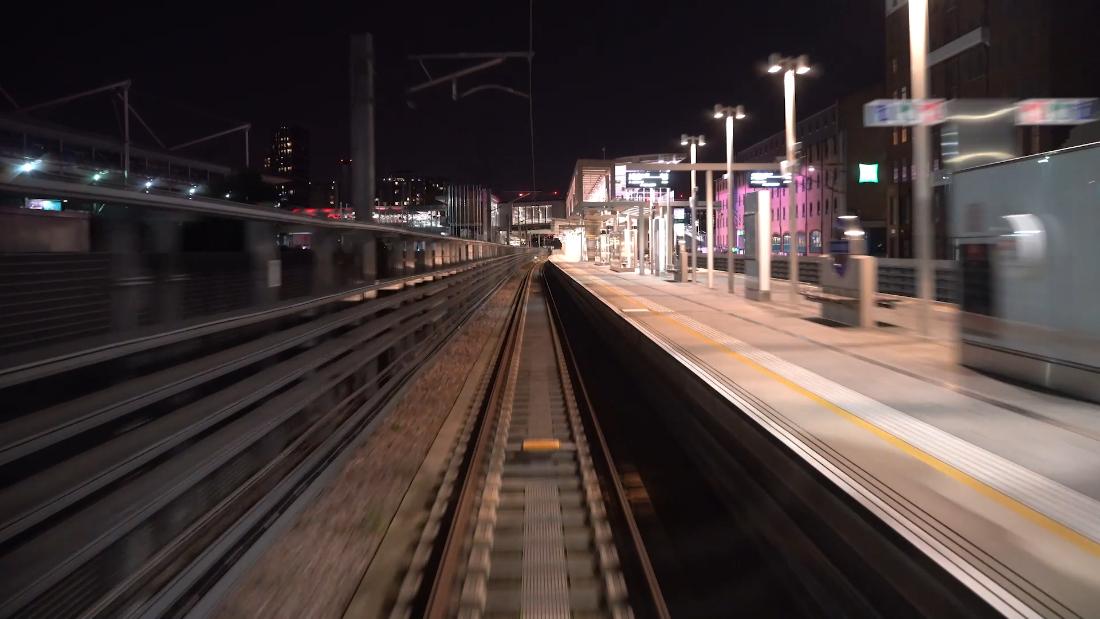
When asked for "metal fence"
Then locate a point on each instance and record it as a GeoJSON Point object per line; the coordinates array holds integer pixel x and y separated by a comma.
{"type": "Point", "coordinates": [896, 276]}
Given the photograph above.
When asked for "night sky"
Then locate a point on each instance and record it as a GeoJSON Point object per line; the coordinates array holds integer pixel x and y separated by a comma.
{"type": "Point", "coordinates": [626, 76]}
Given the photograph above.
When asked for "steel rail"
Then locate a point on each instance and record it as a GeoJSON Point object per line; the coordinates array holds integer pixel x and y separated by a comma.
{"type": "Point", "coordinates": [441, 594]}
{"type": "Point", "coordinates": [565, 354]}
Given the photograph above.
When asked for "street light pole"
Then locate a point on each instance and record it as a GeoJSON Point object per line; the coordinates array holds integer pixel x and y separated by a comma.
{"type": "Point", "coordinates": [790, 67]}
{"type": "Point", "coordinates": [694, 141]}
{"type": "Point", "coordinates": [792, 187]}
{"type": "Point", "coordinates": [691, 217]}
{"type": "Point", "coordinates": [730, 113]}
{"type": "Point", "coordinates": [922, 178]}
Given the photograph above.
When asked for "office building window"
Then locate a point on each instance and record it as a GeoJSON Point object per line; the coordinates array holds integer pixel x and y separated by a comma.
{"type": "Point", "coordinates": [815, 242]}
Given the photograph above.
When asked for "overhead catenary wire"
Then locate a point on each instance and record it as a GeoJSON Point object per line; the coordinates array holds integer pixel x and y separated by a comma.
{"type": "Point", "coordinates": [530, 85]}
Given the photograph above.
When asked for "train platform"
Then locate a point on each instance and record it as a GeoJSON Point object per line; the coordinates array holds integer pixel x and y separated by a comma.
{"type": "Point", "coordinates": [997, 483]}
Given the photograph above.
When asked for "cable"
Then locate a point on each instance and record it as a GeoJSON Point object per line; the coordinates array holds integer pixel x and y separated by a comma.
{"type": "Point", "coordinates": [530, 84]}
{"type": "Point", "coordinates": [9, 98]}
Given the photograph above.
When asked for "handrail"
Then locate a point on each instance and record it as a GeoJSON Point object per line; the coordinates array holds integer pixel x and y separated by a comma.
{"type": "Point", "coordinates": [33, 370]}
{"type": "Point", "coordinates": [203, 204]}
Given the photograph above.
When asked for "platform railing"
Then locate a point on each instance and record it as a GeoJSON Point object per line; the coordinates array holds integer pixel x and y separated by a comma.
{"type": "Point", "coordinates": [896, 276]}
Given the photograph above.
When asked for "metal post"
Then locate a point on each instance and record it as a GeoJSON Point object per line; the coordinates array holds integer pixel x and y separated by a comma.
{"type": "Point", "coordinates": [616, 255]}
{"type": "Point", "coordinates": [651, 234]}
{"type": "Point", "coordinates": [670, 234]}
{"type": "Point", "coordinates": [247, 164]}
{"type": "Point", "coordinates": [689, 224]}
{"type": "Point", "coordinates": [792, 188]}
{"type": "Point", "coordinates": [922, 178]}
{"type": "Point", "coordinates": [125, 134]}
{"type": "Point", "coordinates": [362, 125]}
{"type": "Point", "coordinates": [731, 209]}
{"type": "Point", "coordinates": [710, 229]}
{"type": "Point", "coordinates": [731, 223]}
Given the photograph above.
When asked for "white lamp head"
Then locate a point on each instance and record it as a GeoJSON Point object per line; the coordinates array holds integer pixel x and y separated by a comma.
{"type": "Point", "coordinates": [775, 63]}
{"type": "Point", "coordinates": [802, 65]}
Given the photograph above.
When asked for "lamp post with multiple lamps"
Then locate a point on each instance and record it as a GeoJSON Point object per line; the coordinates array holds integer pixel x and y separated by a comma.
{"type": "Point", "coordinates": [694, 141]}
{"type": "Point", "coordinates": [730, 113]}
{"type": "Point", "coordinates": [790, 67]}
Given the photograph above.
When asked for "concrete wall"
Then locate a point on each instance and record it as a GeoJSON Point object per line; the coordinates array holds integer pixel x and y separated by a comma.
{"type": "Point", "coordinates": [27, 230]}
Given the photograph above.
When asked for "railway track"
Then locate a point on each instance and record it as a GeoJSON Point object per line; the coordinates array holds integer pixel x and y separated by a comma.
{"type": "Point", "coordinates": [530, 519]}
{"type": "Point", "coordinates": [137, 499]}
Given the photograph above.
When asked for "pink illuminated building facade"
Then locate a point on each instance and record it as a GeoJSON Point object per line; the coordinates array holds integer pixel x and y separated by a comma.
{"type": "Point", "coordinates": [820, 185]}
{"type": "Point", "coordinates": [834, 144]}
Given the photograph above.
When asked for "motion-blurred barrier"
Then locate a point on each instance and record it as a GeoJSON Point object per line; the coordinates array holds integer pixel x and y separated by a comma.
{"type": "Point", "coordinates": [115, 264]}
{"type": "Point", "coordinates": [137, 495]}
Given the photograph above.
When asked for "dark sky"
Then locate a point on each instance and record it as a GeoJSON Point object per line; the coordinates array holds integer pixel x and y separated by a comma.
{"type": "Point", "coordinates": [628, 76]}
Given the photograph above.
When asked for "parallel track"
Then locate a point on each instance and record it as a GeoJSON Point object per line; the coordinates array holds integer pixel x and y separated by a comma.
{"type": "Point", "coordinates": [147, 506]}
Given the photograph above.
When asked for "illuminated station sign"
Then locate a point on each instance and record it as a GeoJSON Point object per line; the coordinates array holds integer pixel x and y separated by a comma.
{"type": "Point", "coordinates": [1057, 111]}
{"type": "Point", "coordinates": [768, 179]}
{"type": "Point", "coordinates": [647, 179]}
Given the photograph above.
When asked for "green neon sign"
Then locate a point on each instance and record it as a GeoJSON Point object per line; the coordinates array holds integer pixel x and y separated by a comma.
{"type": "Point", "coordinates": [868, 173]}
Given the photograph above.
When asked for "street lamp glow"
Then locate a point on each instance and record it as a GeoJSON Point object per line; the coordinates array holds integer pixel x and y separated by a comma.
{"type": "Point", "coordinates": [739, 113]}
{"type": "Point", "coordinates": [148, 184]}
{"type": "Point", "coordinates": [802, 65]}
{"type": "Point", "coordinates": [97, 176]}
{"type": "Point", "coordinates": [191, 191]}
{"type": "Point", "coordinates": [775, 63]}
{"type": "Point", "coordinates": [29, 166]}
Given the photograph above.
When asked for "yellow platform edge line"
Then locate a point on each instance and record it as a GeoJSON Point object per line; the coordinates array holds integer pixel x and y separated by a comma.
{"type": "Point", "coordinates": [1070, 535]}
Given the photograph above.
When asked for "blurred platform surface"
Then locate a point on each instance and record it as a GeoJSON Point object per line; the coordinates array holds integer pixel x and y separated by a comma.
{"type": "Point", "coordinates": [998, 483]}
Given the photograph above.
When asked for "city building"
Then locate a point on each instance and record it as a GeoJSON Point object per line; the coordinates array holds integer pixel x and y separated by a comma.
{"type": "Point", "coordinates": [404, 189]}
{"type": "Point", "coordinates": [982, 49]}
{"type": "Point", "coordinates": [471, 212]}
{"type": "Point", "coordinates": [289, 159]}
{"type": "Point", "coordinates": [840, 160]}
{"type": "Point", "coordinates": [532, 218]}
